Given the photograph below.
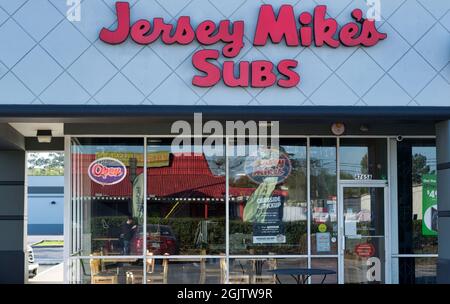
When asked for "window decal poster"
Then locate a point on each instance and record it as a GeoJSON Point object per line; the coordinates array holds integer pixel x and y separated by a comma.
{"type": "Point", "coordinates": [429, 205]}
{"type": "Point", "coordinates": [265, 211]}
{"type": "Point", "coordinates": [323, 243]}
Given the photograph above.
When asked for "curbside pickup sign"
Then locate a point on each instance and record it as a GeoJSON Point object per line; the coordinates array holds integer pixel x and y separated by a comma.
{"type": "Point", "coordinates": [429, 205]}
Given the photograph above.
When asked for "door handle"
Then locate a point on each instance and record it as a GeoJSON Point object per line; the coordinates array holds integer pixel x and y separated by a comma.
{"type": "Point", "coordinates": [342, 241]}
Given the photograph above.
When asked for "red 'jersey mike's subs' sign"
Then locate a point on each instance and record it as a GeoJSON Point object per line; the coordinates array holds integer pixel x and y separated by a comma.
{"type": "Point", "coordinates": [303, 30]}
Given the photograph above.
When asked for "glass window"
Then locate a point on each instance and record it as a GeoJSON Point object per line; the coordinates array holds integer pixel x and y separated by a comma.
{"type": "Point", "coordinates": [325, 263]}
{"type": "Point", "coordinates": [185, 271]}
{"type": "Point", "coordinates": [417, 270]}
{"type": "Point", "coordinates": [324, 228]}
{"type": "Point", "coordinates": [258, 270]}
{"type": "Point", "coordinates": [364, 234]}
{"type": "Point", "coordinates": [363, 158]}
{"type": "Point", "coordinates": [186, 199]}
{"type": "Point", "coordinates": [424, 199]}
{"type": "Point", "coordinates": [268, 206]}
{"type": "Point", "coordinates": [417, 209]}
{"type": "Point", "coordinates": [107, 196]}
{"type": "Point", "coordinates": [106, 271]}
{"type": "Point", "coordinates": [288, 263]}
{"type": "Point", "coordinates": [185, 203]}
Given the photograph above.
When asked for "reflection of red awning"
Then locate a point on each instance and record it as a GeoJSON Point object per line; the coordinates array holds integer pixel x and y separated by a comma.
{"type": "Point", "coordinates": [186, 176]}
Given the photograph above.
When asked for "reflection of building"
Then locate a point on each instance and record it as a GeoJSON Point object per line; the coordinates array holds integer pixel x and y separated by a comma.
{"type": "Point", "coordinates": [295, 213]}
{"type": "Point", "coordinates": [325, 211]}
{"type": "Point", "coordinates": [186, 179]}
{"type": "Point", "coordinates": [45, 205]}
{"type": "Point", "coordinates": [417, 202]}
{"type": "Point", "coordinates": [359, 208]}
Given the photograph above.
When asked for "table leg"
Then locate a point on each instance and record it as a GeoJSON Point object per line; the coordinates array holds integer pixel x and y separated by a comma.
{"type": "Point", "coordinates": [296, 278]}
{"type": "Point", "coordinates": [323, 280]}
{"type": "Point", "coordinates": [242, 267]}
{"type": "Point", "coordinates": [278, 279]}
{"type": "Point", "coordinates": [305, 278]}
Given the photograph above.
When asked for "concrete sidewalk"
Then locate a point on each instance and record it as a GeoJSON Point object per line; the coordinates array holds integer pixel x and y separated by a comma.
{"type": "Point", "coordinates": [33, 239]}
{"type": "Point", "coordinates": [53, 275]}
{"type": "Point", "coordinates": [47, 255]}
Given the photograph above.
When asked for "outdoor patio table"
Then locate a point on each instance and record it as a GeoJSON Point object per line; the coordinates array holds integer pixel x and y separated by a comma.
{"type": "Point", "coordinates": [304, 273]}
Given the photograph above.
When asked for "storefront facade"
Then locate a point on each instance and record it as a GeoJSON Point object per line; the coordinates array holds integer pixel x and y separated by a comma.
{"type": "Point", "coordinates": [358, 109]}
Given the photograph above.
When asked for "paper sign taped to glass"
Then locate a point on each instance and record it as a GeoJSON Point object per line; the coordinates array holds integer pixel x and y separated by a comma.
{"type": "Point", "coordinates": [350, 228]}
{"type": "Point", "coordinates": [265, 211]}
{"type": "Point", "coordinates": [323, 242]}
{"type": "Point", "coordinates": [138, 198]}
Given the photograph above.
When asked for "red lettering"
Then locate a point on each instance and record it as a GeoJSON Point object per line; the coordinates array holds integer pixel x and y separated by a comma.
{"type": "Point", "coordinates": [228, 74]}
{"type": "Point", "coordinates": [369, 33]}
{"type": "Point", "coordinates": [348, 35]}
{"type": "Point", "coordinates": [165, 30]}
{"type": "Point", "coordinates": [123, 25]}
{"type": "Point", "coordinates": [140, 30]}
{"type": "Point", "coordinates": [292, 78]}
{"type": "Point", "coordinates": [98, 170]}
{"type": "Point", "coordinates": [258, 74]}
{"type": "Point", "coordinates": [204, 33]}
{"type": "Point", "coordinates": [276, 28]}
{"type": "Point", "coordinates": [324, 28]}
{"type": "Point", "coordinates": [306, 32]}
{"type": "Point", "coordinates": [234, 40]}
{"type": "Point", "coordinates": [184, 33]}
{"type": "Point", "coordinates": [314, 28]}
{"type": "Point", "coordinates": [262, 74]}
{"type": "Point", "coordinates": [200, 62]}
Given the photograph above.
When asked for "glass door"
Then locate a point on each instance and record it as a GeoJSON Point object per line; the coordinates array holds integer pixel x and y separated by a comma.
{"type": "Point", "coordinates": [363, 226]}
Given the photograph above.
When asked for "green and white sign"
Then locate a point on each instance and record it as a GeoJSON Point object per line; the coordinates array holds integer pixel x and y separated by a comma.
{"type": "Point", "coordinates": [265, 211]}
{"type": "Point", "coordinates": [429, 205]}
{"type": "Point", "coordinates": [138, 198]}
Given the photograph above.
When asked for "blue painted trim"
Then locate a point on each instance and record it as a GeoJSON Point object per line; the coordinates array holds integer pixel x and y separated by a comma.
{"type": "Point", "coordinates": [405, 113]}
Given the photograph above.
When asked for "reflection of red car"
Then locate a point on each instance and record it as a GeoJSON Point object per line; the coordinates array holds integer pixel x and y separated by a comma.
{"type": "Point", "coordinates": [160, 240]}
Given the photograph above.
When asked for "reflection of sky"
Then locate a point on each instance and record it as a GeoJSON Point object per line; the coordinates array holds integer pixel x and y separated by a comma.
{"type": "Point", "coordinates": [88, 149]}
{"type": "Point", "coordinates": [237, 163]}
{"type": "Point", "coordinates": [351, 159]}
{"type": "Point", "coordinates": [429, 153]}
{"type": "Point", "coordinates": [323, 158]}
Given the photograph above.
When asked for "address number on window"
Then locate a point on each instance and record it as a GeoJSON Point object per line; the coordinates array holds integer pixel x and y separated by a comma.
{"type": "Point", "coordinates": [363, 176]}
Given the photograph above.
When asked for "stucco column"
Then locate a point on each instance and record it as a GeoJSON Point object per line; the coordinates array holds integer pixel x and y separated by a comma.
{"type": "Point", "coordinates": [443, 192]}
{"type": "Point", "coordinates": [12, 217]}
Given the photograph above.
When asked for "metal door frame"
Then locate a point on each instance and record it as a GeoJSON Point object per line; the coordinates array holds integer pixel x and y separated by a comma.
{"type": "Point", "coordinates": [364, 184]}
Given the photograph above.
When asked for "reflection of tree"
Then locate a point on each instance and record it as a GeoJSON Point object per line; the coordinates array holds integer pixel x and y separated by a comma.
{"type": "Point", "coordinates": [323, 180]}
{"type": "Point", "coordinates": [46, 164]}
{"type": "Point", "coordinates": [243, 182]}
{"type": "Point", "coordinates": [365, 164]}
{"type": "Point", "coordinates": [419, 168]}
{"type": "Point", "coordinates": [345, 175]}
{"type": "Point", "coordinates": [296, 182]}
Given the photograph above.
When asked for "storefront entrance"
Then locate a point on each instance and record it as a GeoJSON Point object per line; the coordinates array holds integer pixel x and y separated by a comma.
{"type": "Point", "coordinates": [220, 218]}
{"type": "Point", "coordinates": [362, 213]}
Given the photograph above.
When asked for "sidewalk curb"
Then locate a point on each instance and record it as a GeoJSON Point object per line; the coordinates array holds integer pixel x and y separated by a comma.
{"type": "Point", "coordinates": [49, 262]}
{"type": "Point", "coordinates": [51, 246]}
